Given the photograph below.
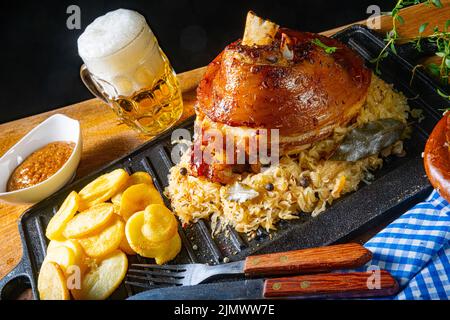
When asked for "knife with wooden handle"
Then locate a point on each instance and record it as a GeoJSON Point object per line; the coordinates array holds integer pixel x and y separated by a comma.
{"type": "Point", "coordinates": [332, 285]}
{"type": "Point", "coordinates": [318, 286]}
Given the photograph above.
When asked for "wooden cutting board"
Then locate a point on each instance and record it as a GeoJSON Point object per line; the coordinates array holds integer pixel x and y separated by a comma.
{"type": "Point", "coordinates": [105, 139]}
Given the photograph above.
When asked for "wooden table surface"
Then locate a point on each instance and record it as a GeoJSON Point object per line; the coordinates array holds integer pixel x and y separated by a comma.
{"type": "Point", "coordinates": [105, 139]}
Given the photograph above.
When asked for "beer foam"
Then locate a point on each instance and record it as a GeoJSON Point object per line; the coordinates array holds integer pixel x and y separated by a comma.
{"type": "Point", "coordinates": [121, 49]}
{"type": "Point", "coordinates": [109, 33]}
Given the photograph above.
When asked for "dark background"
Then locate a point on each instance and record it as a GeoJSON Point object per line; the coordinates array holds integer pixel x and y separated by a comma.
{"type": "Point", "coordinates": [40, 63]}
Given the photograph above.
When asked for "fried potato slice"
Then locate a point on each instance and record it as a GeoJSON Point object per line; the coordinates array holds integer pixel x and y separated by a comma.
{"type": "Point", "coordinates": [116, 199]}
{"type": "Point", "coordinates": [174, 247]}
{"type": "Point", "coordinates": [138, 242]}
{"type": "Point", "coordinates": [162, 251]}
{"type": "Point", "coordinates": [137, 197]}
{"type": "Point", "coordinates": [124, 245]}
{"type": "Point", "coordinates": [52, 283]}
{"type": "Point", "coordinates": [141, 177]}
{"type": "Point", "coordinates": [105, 242]}
{"type": "Point", "coordinates": [104, 278]}
{"type": "Point", "coordinates": [62, 256]}
{"type": "Point", "coordinates": [135, 178]}
{"type": "Point", "coordinates": [160, 223]}
{"type": "Point", "coordinates": [89, 221]}
{"type": "Point", "coordinates": [79, 255]}
{"type": "Point", "coordinates": [258, 31]}
{"type": "Point", "coordinates": [65, 213]}
{"type": "Point", "coordinates": [71, 244]}
{"type": "Point", "coordinates": [102, 188]}
{"type": "Point", "coordinates": [117, 209]}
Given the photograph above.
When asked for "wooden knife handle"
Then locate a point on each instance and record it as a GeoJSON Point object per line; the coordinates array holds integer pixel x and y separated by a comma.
{"type": "Point", "coordinates": [333, 285]}
{"type": "Point", "coordinates": [314, 260]}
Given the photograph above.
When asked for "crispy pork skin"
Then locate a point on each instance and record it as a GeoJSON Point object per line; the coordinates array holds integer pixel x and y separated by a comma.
{"type": "Point", "coordinates": [258, 87]}
{"type": "Point", "coordinates": [291, 85]}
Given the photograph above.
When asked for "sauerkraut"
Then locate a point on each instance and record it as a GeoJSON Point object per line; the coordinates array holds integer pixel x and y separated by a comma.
{"type": "Point", "coordinates": [303, 182]}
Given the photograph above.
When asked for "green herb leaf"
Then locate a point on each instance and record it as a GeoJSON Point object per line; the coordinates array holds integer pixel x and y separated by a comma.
{"type": "Point", "coordinates": [369, 139]}
{"type": "Point", "coordinates": [440, 38]}
{"type": "Point", "coordinates": [327, 49]}
{"type": "Point", "coordinates": [423, 27]}
{"type": "Point", "coordinates": [442, 94]}
{"type": "Point", "coordinates": [447, 25]}
{"type": "Point", "coordinates": [434, 69]}
{"type": "Point", "coordinates": [400, 19]}
{"type": "Point", "coordinates": [417, 44]}
{"type": "Point", "coordinates": [437, 3]}
{"type": "Point", "coordinates": [393, 49]}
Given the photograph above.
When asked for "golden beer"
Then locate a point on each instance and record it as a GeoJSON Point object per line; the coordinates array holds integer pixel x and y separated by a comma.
{"type": "Point", "coordinates": [125, 67]}
{"type": "Point", "coordinates": [154, 109]}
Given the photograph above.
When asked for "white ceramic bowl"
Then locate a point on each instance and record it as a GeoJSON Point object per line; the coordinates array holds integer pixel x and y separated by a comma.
{"type": "Point", "coordinates": [55, 128]}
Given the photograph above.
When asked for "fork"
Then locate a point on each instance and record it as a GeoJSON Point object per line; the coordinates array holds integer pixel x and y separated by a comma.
{"type": "Point", "coordinates": [314, 260]}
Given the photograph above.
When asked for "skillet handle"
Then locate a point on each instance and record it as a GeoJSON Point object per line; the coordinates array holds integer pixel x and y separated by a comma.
{"type": "Point", "coordinates": [333, 285]}
{"type": "Point", "coordinates": [314, 260]}
{"type": "Point", "coordinates": [12, 281]}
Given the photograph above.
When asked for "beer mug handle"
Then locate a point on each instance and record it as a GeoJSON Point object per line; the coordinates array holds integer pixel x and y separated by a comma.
{"type": "Point", "coordinates": [90, 83]}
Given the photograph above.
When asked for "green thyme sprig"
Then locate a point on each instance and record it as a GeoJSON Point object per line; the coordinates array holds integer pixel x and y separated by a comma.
{"type": "Point", "coordinates": [327, 49]}
{"type": "Point", "coordinates": [392, 36]}
{"type": "Point", "coordinates": [443, 95]}
{"type": "Point", "coordinates": [442, 41]}
{"type": "Point", "coordinates": [440, 37]}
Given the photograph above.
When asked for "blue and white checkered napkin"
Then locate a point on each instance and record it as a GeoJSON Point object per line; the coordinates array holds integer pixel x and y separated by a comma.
{"type": "Point", "coordinates": [415, 249]}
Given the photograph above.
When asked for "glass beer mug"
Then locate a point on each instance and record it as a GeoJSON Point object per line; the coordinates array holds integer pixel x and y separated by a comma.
{"type": "Point", "coordinates": [125, 67]}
